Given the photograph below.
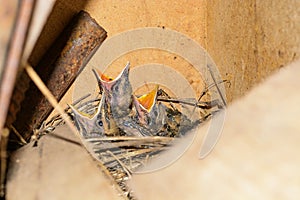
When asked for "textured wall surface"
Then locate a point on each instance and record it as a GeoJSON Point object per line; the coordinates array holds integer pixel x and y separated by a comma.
{"type": "Point", "coordinates": [248, 40]}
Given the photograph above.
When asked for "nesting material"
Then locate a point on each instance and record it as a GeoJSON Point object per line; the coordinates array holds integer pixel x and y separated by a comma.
{"type": "Point", "coordinates": [125, 132]}
{"type": "Point", "coordinates": [119, 153]}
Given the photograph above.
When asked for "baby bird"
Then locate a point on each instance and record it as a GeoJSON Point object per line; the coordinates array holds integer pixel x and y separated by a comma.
{"type": "Point", "coordinates": [150, 113]}
{"type": "Point", "coordinates": [118, 92]}
{"type": "Point", "coordinates": [109, 125]}
{"type": "Point", "coordinates": [89, 125]}
{"type": "Point", "coordinates": [119, 98]}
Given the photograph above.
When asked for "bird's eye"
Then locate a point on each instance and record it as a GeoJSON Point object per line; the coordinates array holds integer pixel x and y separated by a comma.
{"type": "Point", "coordinates": [116, 88]}
{"type": "Point", "coordinates": [100, 123]}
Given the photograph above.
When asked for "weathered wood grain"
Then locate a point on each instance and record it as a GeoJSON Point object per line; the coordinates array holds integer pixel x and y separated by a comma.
{"type": "Point", "coordinates": [56, 169]}
{"type": "Point", "coordinates": [257, 156]}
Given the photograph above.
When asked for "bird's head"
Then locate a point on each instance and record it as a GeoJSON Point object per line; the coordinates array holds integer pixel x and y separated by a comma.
{"type": "Point", "coordinates": [89, 125]}
{"type": "Point", "coordinates": [147, 101]}
{"type": "Point", "coordinates": [118, 90]}
{"type": "Point", "coordinates": [147, 108]}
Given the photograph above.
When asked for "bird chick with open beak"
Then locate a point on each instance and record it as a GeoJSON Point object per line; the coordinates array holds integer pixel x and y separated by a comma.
{"type": "Point", "coordinates": [150, 113]}
{"type": "Point", "coordinates": [109, 125]}
{"type": "Point", "coordinates": [118, 92]}
{"type": "Point", "coordinates": [89, 125]}
{"type": "Point", "coordinates": [118, 95]}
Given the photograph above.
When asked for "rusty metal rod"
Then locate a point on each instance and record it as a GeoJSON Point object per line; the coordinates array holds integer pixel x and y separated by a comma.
{"type": "Point", "coordinates": [58, 69]}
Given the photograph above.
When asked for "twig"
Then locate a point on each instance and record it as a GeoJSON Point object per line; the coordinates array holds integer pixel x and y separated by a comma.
{"type": "Point", "coordinates": [199, 104]}
{"type": "Point", "coordinates": [64, 138]}
{"type": "Point", "coordinates": [22, 140]}
{"type": "Point", "coordinates": [131, 154]}
{"type": "Point", "coordinates": [42, 87]}
{"type": "Point", "coordinates": [58, 117]}
{"type": "Point", "coordinates": [210, 86]}
{"type": "Point", "coordinates": [126, 138]}
{"type": "Point", "coordinates": [125, 168]}
{"type": "Point", "coordinates": [214, 79]}
{"type": "Point", "coordinates": [80, 99]}
{"type": "Point", "coordinates": [203, 105]}
{"type": "Point", "coordinates": [45, 91]}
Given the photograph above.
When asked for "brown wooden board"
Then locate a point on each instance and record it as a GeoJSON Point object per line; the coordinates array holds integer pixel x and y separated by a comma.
{"type": "Point", "coordinates": [257, 156]}
{"type": "Point", "coordinates": [56, 169]}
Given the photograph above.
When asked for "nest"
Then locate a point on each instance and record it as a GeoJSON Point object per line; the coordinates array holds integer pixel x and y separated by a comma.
{"type": "Point", "coordinates": [122, 155]}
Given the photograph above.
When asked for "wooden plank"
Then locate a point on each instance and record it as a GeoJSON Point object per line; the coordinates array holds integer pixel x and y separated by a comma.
{"type": "Point", "coordinates": [257, 156]}
{"type": "Point", "coordinates": [56, 169]}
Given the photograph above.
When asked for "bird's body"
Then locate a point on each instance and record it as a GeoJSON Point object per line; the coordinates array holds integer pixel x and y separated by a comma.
{"type": "Point", "coordinates": [118, 96]}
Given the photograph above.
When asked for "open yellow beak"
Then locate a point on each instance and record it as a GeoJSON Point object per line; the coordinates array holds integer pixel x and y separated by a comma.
{"type": "Point", "coordinates": [147, 101]}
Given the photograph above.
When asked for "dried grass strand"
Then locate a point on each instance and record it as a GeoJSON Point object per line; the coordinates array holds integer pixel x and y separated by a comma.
{"type": "Point", "coordinates": [49, 96]}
